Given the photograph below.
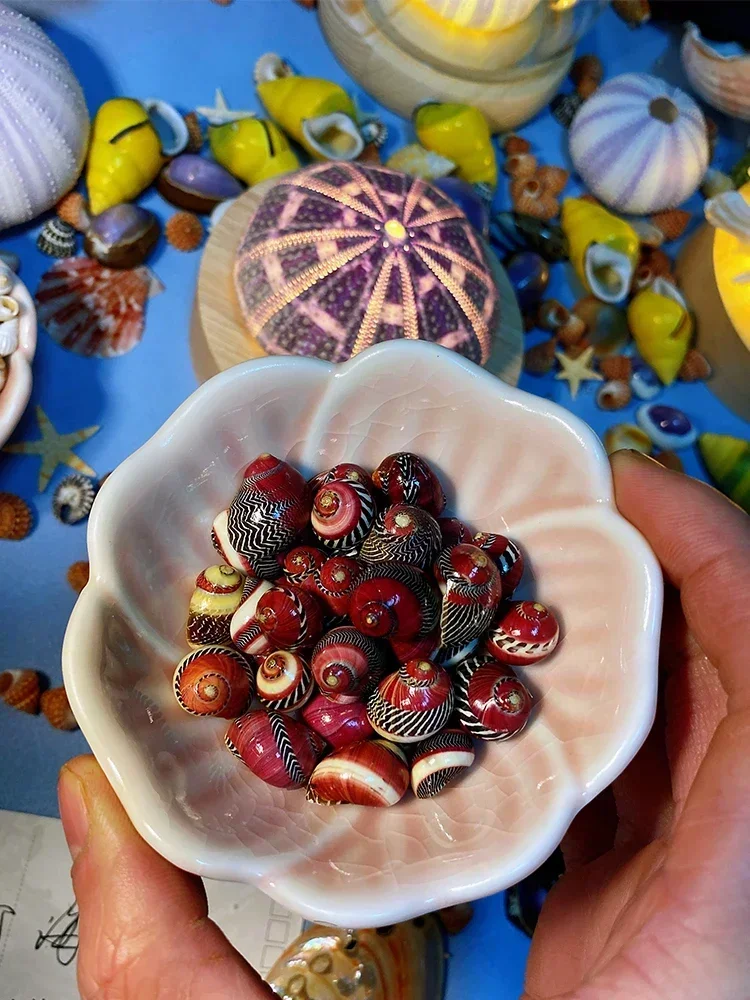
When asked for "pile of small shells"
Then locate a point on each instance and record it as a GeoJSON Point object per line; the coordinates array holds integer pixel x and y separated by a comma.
{"type": "Point", "coordinates": [357, 638]}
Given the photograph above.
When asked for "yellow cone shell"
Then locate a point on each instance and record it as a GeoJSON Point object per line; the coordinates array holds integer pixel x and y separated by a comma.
{"type": "Point", "coordinates": [253, 150]}
{"type": "Point", "coordinates": [124, 156]}
{"type": "Point", "coordinates": [662, 329]}
{"type": "Point", "coordinates": [728, 462]}
{"type": "Point", "coordinates": [459, 133]}
{"type": "Point", "coordinates": [290, 100]}
{"type": "Point", "coordinates": [585, 223]}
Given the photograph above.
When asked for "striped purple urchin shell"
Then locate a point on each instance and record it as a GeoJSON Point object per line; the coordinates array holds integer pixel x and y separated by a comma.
{"type": "Point", "coordinates": [339, 256]}
{"type": "Point", "coordinates": [640, 144]}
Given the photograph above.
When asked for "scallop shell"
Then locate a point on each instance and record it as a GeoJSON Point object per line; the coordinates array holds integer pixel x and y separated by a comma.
{"type": "Point", "coordinates": [284, 681]}
{"type": "Point", "coordinates": [346, 664]}
{"type": "Point", "coordinates": [342, 514]}
{"type": "Point", "coordinates": [728, 212]}
{"type": "Point", "coordinates": [524, 633]}
{"type": "Point", "coordinates": [413, 703]}
{"type": "Point", "coordinates": [41, 155]}
{"type": "Point", "coordinates": [56, 709]}
{"type": "Point", "coordinates": [57, 239]}
{"type": "Point", "coordinates": [20, 689]}
{"type": "Point", "coordinates": [722, 81]}
{"type": "Point", "coordinates": [372, 773]}
{"type": "Point", "coordinates": [276, 748]}
{"type": "Point", "coordinates": [471, 586]}
{"type": "Point", "coordinates": [16, 518]}
{"type": "Point", "coordinates": [407, 478]}
{"type": "Point", "coordinates": [73, 499]}
{"type": "Point", "coordinates": [395, 602]}
{"type": "Point", "coordinates": [92, 310]}
{"type": "Point", "coordinates": [492, 702]}
{"type": "Point", "coordinates": [695, 367]}
{"type": "Point", "coordinates": [215, 681]}
{"type": "Point", "coordinates": [402, 534]}
{"type": "Point", "coordinates": [439, 760]}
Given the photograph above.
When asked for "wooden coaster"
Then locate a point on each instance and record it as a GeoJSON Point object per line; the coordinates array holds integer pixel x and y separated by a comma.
{"type": "Point", "coordinates": [219, 338]}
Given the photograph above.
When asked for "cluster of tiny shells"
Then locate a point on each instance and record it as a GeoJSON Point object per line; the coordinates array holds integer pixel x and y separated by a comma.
{"type": "Point", "coordinates": [356, 638]}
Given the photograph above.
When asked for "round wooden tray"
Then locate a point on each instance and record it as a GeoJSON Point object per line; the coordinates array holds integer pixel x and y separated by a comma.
{"type": "Point", "coordinates": [219, 338]}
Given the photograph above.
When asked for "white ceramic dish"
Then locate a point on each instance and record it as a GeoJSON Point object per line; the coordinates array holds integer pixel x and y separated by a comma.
{"type": "Point", "coordinates": [510, 462]}
{"type": "Point", "coordinates": [17, 391]}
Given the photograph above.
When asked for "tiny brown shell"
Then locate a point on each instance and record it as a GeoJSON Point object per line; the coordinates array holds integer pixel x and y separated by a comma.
{"type": "Point", "coordinates": [553, 179]}
{"type": "Point", "coordinates": [184, 231]}
{"type": "Point", "coordinates": [572, 331]}
{"type": "Point", "coordinates": [78, 575]}
{"type": "Point", "coordinates": [551, 315]}
{"type": "Point", "coordinates": [695, 367]}
{"type": "Point", "coordinates": [540, 358]}
{"type": "Point", "coordinates": [56, 709]}
{"type": "Point", "coordinates": [587, 67]}
{"type": "Point", "coordinates": [616, 367]}
{"type": "Point", "coordinates": [16, 518]}
{"type": "Point", "coordinates": [515, 144]}
{"type": "Point", "coordinates": [614, 395]}
{"type": "Point", "coordinates": [520, 165]}
{"type": "Point", "coordinates": [672, 222]}
{"type": "Point", "coordinates": [20, 689]}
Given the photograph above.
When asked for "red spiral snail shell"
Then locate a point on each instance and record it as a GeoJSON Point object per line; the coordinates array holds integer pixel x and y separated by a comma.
{"type": "Point", "coordinates": [277, 749]}
{"type": "Point", "coordinates": [394, 601]}
{"type": "Point", "coordinates": [373, 773]}
{"type": "Point", "coordinates": [289, 617]}
{"type": "Point", "coordinates": [407, 478]}
{"type": "Point", "coordinates": [342, 514]}
{"type": "Point", "coordinates": [338, 723]}
{"type": "Point", "coordinates": [284, 681]}
{"type": "Point", "coordinates": [413, 703]}
{"type": "Point", "coordinates": [492, 702]}
{"type": "Point", "coordinates": [402, 534]}
{"type": "Point", "coordinates": [301, 565]}
{"type": "Point", "coordinates": [525, 632]}
{"type": "Point", "coordinates": [471, 588]}
{"type": "Point", "coordinates": [347, 664]}
{"type": "Point", "coordinates": [213, 680]}
{"type": "Point", "coordinates": [507, 557]}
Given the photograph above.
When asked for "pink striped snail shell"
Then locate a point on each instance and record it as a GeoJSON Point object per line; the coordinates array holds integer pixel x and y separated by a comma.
{"type": "Point", "coordinates": [439, 760]}
{"type": "Point", "coordinates": [407, 478]}
{"type": "Point", "coordinates": [301, 565]}
{"type": "Point", "coordinates": [370, 773]}
{"type": "Point", "coordinates": [346, 664]}
{"type": "Point", "coordinates": [277, 749]}
{"type": "Point", "coordinates": [338, 723]}
{"type": "Point", "coordinates": [507, 557]}
{"type": "Point", "coordinates": [393, 601]}
{"type": "Point", "coordinates": [217, 595]}
{"type": "Point", "coordinates": [492, 702]}
{"type": "Point", "coordinates": [335, 582]}
{"type": "Point", "coordinates": [271, 508]}
{"type": "Point", "coordinates": [342, 514]}
{"type": "Point", "coordinates": [413, 703]}
{"type": "Point", "coordinates": [471, 588]}
{"type": "Point", "coordinates": [402, 534]}
{"type": "Point", "coordinates": [525, 632]}
{"type": "Point", "coordinates": [214, 681]}
{"type": "Point", "coordinates": [284, 681]}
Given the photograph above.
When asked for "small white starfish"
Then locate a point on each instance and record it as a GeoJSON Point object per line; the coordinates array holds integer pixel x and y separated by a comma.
{"type": "Point", "coordinates": [221, 113]}
{"type": "Point", "coordinates": [577, 370]}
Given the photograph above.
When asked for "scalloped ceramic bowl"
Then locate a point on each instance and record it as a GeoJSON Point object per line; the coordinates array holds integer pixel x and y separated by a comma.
{"type": "Point", "coordinates": [17, 390]}
{"type": "Point", "coordinates": [510, 462]}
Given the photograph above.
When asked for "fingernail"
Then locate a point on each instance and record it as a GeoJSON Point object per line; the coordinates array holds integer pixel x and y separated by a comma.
{"type": "Point", "coordinates": [71, 797]}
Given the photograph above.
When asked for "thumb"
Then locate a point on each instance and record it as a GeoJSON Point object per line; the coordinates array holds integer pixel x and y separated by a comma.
{"type": "Point", "coordinates": [144, 929]}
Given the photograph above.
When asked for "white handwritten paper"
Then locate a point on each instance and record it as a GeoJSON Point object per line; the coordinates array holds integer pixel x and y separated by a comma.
{"type": "Point", "coordinates": [39, 917]}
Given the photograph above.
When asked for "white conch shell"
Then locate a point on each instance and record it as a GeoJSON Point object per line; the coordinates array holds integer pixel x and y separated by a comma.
{"type": "Point", "coordinates": [731, 213]}
{"type": "Point", "coordinates": [334, 136]}
{"type": "Point", "coordinates": [9, 331]}
{"type": "Point", "coordinates": [600, 259]}
{"type": "Point", "coordinates": [161, 111]}
{"type": "Point", "coordinates": [722, 81]}
{"type": "Point", "coordinates": [269, 66]}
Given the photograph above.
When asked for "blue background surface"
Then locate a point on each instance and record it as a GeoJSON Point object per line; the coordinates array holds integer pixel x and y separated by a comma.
{"type": "Point", "coordinates": [180, 51]}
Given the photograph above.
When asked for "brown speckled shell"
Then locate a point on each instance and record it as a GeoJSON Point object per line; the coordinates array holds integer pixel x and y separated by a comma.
{"type": "Point", "coordinates": [339, 256]}
{"type": "Point", "coordinates": [20, 689]}
{"type": "Point", "coordinates": [56, 709]}
{"type": "Point", "coordinates": [15, 517]}
{"type": "Point", "coordinates": [78, 575]}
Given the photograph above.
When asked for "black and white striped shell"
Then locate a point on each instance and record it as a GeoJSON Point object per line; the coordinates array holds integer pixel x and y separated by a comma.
{"type": "Point", "coordinates": [472, 589]}
{"type": "Point", "coordinates": [57, 239]}
{"type": "Point", "coordinates": [402, 534]}
{"type": "Point", "coordinates": [244, 630]}
{"type": "Point", "coordinates": [277, 749]}
{"type": "Point", "coordinates": [284, 681]}
{"type": "Point", "coordinates": [342, 515]}
{"type": "Point", "coordinates": [492, 703]}
{"type": "Point", "coordinates": [413, 703]}
{"type": "Point", "coordinates": [347, 665]}
{"type": "Point", "coordinates": [73, 498]}
{"type": "Point", "coordinates": [264, 567]}
{"type": "Point", "coordinates": [507, 557]}
{"type": "Point", "coordinates": [439, 760]}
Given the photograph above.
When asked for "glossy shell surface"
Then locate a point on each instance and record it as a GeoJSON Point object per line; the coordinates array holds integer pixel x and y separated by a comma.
{"type": "Point", "coordinates": [335, 582]}
{"type": "Point", "coordinates": [270, 509]}
{"type": "Point", "coordinates": [439, 760]}
{"type": "Point", "coordinates": [338, 723]}
{"type": "Point", "coordinates": [472, 588]}
{"type": "Point", "coordinates": [284, 681]}
{"type": "Point", "coordinates": [301, 565]}
{"type": "Point", "coordinates": [506, 555]}
{"type": "Point", "coordinates": [492, 703]}
{"type": "Point", "coordinates": [526, 632]}
{"type": "Point", "coordinates": [394, 602]}
{"type": "Point", "coordinates": [213, 680]}
{"type": "Point", "coordinates": [342, 514]}
{"type": "Point", "coordinates": [290, 618]}
{"type": "Point", "coordinates": [374, 773]}
{"type": "Point", "coordinates": [277, 749]}
{"type": "Point", "coordinates": [217, 595]}
{"type": "Point", "coordinates": [414, 702]}
{"type": "Point", "coordinates": [402, 534]}
{"type": "Point", "coordinates": [347, 664]}
{"type": "Point", "coordinates": [407, 478]}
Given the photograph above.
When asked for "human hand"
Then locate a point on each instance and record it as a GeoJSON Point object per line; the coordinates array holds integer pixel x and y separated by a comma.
{"type": "Point", "coordinates": [655, 902]}
{"type": "Point", "coordinates": [144, 929]}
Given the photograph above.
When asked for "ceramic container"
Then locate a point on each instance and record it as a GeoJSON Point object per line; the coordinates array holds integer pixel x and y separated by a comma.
{"type": "Point", "coordinates": [42, 151]}
{"type": "Point", "coordinates": [16, 392]}
{"type": "Point", "coordinates": [640, 144]}
{"type": "Point", "coordinates": [722, 81]}
{"type": "Point", "coordinates": [150, 528]}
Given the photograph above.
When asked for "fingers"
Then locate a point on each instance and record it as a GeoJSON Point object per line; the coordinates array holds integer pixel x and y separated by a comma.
{"type": "Point", "coordinates": [703, 543]}
{"type": "Point", "coordinates": [144, 929]}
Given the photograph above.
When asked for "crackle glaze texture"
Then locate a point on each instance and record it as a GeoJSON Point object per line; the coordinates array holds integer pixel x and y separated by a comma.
{"type": "Point", "coordinates": [594, 698]}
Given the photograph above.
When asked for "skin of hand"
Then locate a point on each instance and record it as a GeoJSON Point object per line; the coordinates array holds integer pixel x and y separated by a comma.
{"type": "Point", "coordinates": [655, 902]}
